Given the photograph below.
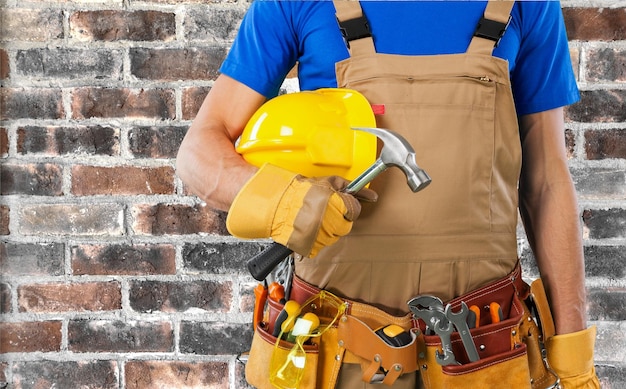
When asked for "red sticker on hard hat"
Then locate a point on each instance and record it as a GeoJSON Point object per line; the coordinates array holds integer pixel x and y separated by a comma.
{"type": "Point", "coordinates": [378, 109]}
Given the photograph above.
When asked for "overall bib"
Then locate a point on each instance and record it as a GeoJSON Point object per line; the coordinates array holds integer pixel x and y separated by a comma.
{"type": "Point", "coordinates": [459, 233]}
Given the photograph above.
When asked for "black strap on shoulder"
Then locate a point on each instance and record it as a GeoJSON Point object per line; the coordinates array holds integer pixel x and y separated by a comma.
{"type": "Point", "coordinates": [491, 29]}
{"type": "Point", "coordinates": [353, 29]}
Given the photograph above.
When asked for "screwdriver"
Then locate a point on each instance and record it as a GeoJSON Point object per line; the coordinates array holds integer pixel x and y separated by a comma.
{"type": "Point", "coordinates": [260, 297]}
{"type": "Point", "coordinates": [286, 317]}
{"type": "Point", "coordinates": [495, 312]}
{"type": "Point", "coordinates": [473, 317]}
{"type": "Point", "coordinates": [277, 292]}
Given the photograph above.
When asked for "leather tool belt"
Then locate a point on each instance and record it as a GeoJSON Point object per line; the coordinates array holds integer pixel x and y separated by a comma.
{"type": "Point", "coordinates": [510, 349]}
{"type": "Point", "coordinates": [508, 341]}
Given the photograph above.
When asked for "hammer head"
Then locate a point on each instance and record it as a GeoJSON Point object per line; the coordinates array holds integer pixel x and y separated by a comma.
{"type": "Point", "coordinates": [398, 152]}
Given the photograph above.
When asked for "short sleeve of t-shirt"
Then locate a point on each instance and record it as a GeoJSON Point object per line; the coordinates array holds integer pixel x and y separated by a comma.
{"type": "Point", "coordinates": [264, 50]}
{"type": "Point", "coordinates": [275, 35]}
{"type": "Point", "coordinates": [543, 76]}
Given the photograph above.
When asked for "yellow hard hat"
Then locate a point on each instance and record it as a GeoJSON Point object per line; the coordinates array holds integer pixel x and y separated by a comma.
{"type": "Point", "coordinates": [310, 133]}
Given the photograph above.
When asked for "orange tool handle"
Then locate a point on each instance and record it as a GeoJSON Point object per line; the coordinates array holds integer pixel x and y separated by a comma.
{"type": "Point", "coordinates": [260, 297]}
{"type": "Point", "coordinates": [495, 312]}
{"type": "Point", "coordinates": [277, 292]}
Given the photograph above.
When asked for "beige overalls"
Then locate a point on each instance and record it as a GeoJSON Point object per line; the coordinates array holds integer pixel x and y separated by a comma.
{"type": "Point", "coordinates": [459, 233]}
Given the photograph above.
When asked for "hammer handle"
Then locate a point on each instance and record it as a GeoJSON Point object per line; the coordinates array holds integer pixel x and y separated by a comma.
{"type": "Point", "coordinates": [262, 264]}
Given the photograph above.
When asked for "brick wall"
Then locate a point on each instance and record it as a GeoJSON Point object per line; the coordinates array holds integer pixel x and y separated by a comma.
{"type": "Point", "coordinates": [114, 277]}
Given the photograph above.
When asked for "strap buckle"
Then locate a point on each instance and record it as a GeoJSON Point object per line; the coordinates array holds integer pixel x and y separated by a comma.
{"type": "Point", "coordinates": [491, 29]}
{"type": "Point", "coordinates": [353, 29]}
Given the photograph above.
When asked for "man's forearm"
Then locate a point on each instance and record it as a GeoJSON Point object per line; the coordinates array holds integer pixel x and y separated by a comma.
{"type": "Point", "coordinates": [556, 241]}
{"type": "Point", "coordinates": [549, 210]}
{"type": "Point", "coordinates": [207, 161]}
{"type": "Point", "coordinates": [211, 169]}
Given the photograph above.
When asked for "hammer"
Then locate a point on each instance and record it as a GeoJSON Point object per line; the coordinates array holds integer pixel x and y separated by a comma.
{"type": "Point", "coordinates": [396, 152]}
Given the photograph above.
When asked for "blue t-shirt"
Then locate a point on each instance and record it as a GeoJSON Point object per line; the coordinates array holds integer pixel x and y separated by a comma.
{"type": "Point", "coordinates": [276, 34]}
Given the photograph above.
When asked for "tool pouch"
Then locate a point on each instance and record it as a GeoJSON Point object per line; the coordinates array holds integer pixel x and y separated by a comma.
{"type": "Point", "coordinates": [323, 353]}
{"type": "Point", "coordinates": [537, 326]}
{"type": "Point", "coordinates": [380, 362]}
{"type": "Point", "coordinates": [353, 340]}
{"type": "Point", "coordinates": [262, 352]}
{"type": "Point", "coordinates": [503, 354]}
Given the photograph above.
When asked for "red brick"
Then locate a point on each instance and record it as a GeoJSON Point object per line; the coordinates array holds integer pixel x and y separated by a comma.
{"type": "Point", "coordinates": [71, 219]}
{"type": "Point", "coordinates": [218, 25]}
{"type": "Point", "coordinates": [29, 337]}
{"type": "Point", "coordinates": [174, 374]}
{"type": "Point", "coordinates": [5, 219]}
{"type": "Point", "coordinates": [119, 336]}
{"type": "Point", "coordinates": [574, 54]}
{"type": "Point", "coordinates": [66, 297]}
{"type": "Point", "coordinates": [599, 182]}
{"type": "Point", "coordinates": [603, 144]}
{"type": "Point", "coordinates": [240, 376]}
{"type": "Point", "coordinates": [4, 366]}
{"type": "Point", "coordinates": [219, 257]}
{"type": "Point", "coordinates": [123, 103]}
{"type": "Point", "coordinates": [123, 259]}
{"type": "Point", "coordinates": [5, 299]}
{"type": "Point", "coordinates": [177, 219]}
{"type": "Point", "coordinates": [32, 259]}
{"type": "Point", "coordinates": [152, 296]}
{"type": "Point", "coordinates": [177, 64]}
{"type": "Point", "coordinates": [31, 103]}
{"type": "Point", "coordinates": [80, 140]}
{"type": "Point", "coordinates": [214, 338]}
{"type": "Point", "coordinates": [607, 304]}
{"type": "Point", "coordinates": [155, 142]}
{"type": "Point", "coordinates": [69, 63]}
{"type": "Point", "coordinates": [111, 25]}
{"type": "Point", "coordinates": [570, 143]}
{"type": "Point", "coordinates": [606, 65]}
{"type": "Point", "coordinates": [192, 100]}
{"type": "Point", "coordinates": [608, 262]}
{"type": "Point", "coordinates": [98, 374]}
{"type": "Point", "coordinates": [4, 143]}
{"type": "Point", "coordinates": [4, 64]}
{"type": "Point", "coordinates": [246, 301]}
{"type": "Point", "coordinates": [31, 25]}
{"type": "Point", "coordinates": [122, 180]}
{"type": "Point", "coordinates": [588, 24]}
{"type": "Point", "coordinates": [606, 106]}
{"type": "Point", "coordinates": [37, 179]}
{"type": "Point", "coordinates": [605, 223]}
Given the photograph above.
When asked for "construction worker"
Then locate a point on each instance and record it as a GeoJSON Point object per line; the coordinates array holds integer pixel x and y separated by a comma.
{"type": "Point", "coordinates": [480, 138]}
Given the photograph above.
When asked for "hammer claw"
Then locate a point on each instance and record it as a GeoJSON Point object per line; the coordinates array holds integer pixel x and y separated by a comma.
{"type": "Point", "coordinates": [398, 152]}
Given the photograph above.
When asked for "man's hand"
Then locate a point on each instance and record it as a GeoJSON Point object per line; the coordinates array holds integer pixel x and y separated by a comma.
{"type": "Point", "coordinates": [304, 214]}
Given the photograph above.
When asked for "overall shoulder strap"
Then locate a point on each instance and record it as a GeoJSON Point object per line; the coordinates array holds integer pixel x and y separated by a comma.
{"type": "Point", "coordinates": [491, 27]}
{"type": "Point", "coordinates": [354, 27]}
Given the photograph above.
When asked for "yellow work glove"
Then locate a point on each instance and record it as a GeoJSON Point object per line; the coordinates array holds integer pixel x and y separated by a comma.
{"type": "Point", "coordinates": [304, 214]}
{"type": "Point", "coordinates": [571, 357]}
